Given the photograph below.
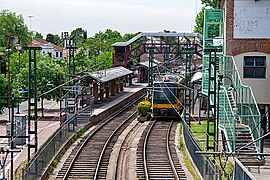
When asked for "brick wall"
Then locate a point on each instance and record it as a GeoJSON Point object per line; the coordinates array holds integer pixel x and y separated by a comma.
{"type": "Point", "coordinates": [238, 46]}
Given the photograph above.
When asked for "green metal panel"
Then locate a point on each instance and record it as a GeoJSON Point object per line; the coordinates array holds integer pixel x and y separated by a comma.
{"type": "Point", "coordinates": [213, 52]}
{"type": "Point", "coordinates": [247, 111]}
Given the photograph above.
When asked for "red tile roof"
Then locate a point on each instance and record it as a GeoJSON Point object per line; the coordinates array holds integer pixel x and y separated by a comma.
{"type": "Point", "coordinates": [57, 48]}
{"type": "Point", "coordinates": [42, 41]}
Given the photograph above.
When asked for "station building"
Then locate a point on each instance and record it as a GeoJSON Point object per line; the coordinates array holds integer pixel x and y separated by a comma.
{"type": "Point", "coordinates": [247, 39]}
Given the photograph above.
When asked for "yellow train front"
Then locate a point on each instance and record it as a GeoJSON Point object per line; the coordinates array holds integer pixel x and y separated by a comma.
{"type": "Point", "coordinates": [166, 98]}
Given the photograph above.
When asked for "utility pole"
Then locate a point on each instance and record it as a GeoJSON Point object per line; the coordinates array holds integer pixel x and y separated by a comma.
{"type": "Point", "coordinates": [150, 72]}
{"type": "Point", "coordinates": [32, 101]}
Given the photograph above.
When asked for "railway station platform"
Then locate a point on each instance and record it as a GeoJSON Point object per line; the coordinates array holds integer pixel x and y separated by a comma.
{"type": "Point", "coordinates": [113, 100]}
{"type": "Point", "coordinates": [46, 128]}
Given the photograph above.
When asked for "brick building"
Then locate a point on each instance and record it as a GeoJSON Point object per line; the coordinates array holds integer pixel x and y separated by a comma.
{"type": "Point", "coordinates": [247, 39]}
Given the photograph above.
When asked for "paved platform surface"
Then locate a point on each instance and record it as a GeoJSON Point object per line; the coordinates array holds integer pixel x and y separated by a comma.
{"type": "Point", "coordinates": [47, 128]}
{"type": "Point", "coordinates": [262, 172]}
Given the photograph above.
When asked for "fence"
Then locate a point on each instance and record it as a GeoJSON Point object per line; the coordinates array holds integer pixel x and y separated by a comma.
{"type": "Point", "coordinates": [205, 166]}
{"type": "Point", "coordinates": [241, 172]}
{"type": "Point", "coordinates": [48, 151]}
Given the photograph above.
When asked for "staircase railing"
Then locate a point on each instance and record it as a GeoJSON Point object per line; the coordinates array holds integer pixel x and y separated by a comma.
{"type": "Point", "coordinates": [226, 119]}
{"type": "Point", "coordinates": [248, 111]}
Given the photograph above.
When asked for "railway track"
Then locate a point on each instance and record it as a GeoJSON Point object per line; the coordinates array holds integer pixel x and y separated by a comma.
{"type": "Point", "coordinates": [90, 158]}
{"type": "Point", "coordinates": [156, 155]}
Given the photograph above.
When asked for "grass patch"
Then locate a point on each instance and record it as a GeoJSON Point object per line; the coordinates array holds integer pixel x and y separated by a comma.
{"type": "Point", "coordinates": [19, 170]}
{"type": "Point", "coordinates": [199, 134]}
{"type": "Point", "coordinates": [186, 159]}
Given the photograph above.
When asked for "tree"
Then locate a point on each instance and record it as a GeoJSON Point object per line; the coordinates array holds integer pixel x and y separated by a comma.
{"type": "Point", "coordinates": [3, 92]}
{"type": "Point", "coordinates": [12, 26]}
{"type": "Point", "coordinates": [211, 3]}
{"type": "Point", "coordinates": [129, 36]}
{"type": "Point", "coordinates": [79, 36]}
{"type": "Point", "coordinates": [47, 70]}
{"type": "Point", "coordinates": [50, 38]}
{"type": "Point", "coordinates": [199, 22]}
{"type": "Point", "coordinates": [38, 35]}
{"type": "Point", "coordinates": [57, 40]}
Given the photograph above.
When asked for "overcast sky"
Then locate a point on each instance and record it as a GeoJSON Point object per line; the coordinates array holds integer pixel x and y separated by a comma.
{"type": "Point", "coordinates": [125, 16]}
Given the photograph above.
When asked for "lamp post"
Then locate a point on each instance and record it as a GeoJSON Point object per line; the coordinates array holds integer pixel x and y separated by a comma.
{"type": "Point", "coordinates": [8, 55]}
{"type": "Point", "coordinates": [19, 48]}
{"type": "Point", "coordinates": [30, 18]}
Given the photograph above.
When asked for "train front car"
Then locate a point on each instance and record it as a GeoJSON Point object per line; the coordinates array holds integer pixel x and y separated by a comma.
{"type": "Point", "coordinates": [165, 99]}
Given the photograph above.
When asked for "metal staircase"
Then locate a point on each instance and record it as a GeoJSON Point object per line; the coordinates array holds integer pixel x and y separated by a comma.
{"type": "Point", "coordinates": [233, 104]}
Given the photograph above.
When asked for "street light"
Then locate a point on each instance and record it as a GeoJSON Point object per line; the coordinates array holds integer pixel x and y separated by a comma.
{"type": "Point", "coordinates": [8, 54]}
{"type": "Point", "coordinates": [30, 17]}
{"type": "Point", "coordinates": [19, 48]}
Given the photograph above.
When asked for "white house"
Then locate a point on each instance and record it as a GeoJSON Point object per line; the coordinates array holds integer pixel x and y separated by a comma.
{"type": "Point", "coordinates": [49, 48]}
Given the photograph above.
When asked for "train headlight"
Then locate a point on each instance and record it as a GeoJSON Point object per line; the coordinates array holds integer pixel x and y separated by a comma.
{"type": "Point", "coordinates": [155, 105]}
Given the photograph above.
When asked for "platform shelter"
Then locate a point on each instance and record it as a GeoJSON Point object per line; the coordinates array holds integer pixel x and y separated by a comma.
{"type": "Point", "coordinates": [109, 82]}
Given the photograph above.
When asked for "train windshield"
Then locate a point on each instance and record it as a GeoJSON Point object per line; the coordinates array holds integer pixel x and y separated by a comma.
{"type": "Point", "coordinates": [164, 91]}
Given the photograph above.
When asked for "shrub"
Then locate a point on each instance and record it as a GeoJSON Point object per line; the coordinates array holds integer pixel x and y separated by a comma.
{"type": "Point", "coordinates": [143, 108]}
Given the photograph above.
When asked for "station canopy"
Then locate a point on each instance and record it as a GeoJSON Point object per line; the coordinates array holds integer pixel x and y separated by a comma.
{"type": "Point", "coordinates": [110, 74]}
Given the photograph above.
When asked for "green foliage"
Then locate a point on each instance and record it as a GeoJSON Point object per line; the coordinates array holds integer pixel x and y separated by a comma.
{"type": "Point", "coordinates": [38, 35]}
{"type": "Point", "coordinates": [80, 133]}
{"type": "Point", "coordinates": [79, 36]}
{"type": "Point", "coordinates": [186, 159]}
{"type": "Point", "coordinates": [3, 91]}
{"type": "Point", "coordinates": [211, 3]}
{"type": "Point", "coordinates": [47, 70]}
{"type": "Point", "coordinates": [11, 26]}
{"type": "Point", "coordinates": [143, 108]}
{"type": "Point", "coordinates": [55, 39]}
{"type": "Point", "coordinates": [54, 163]}
{"type": "Point", "coordinates": [199, 22]}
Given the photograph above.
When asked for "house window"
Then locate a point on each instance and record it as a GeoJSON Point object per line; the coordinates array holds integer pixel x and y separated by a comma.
{"type": "Point", "coordinates": [254, 67]}
{"type": "Point", "coordinates": [60, 54]}
{"type": "Point", "coordinates": [56, 54]}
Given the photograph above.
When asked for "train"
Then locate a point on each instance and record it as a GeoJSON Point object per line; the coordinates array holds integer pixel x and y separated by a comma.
{"type": "Point", "coordinates": [167, 97]}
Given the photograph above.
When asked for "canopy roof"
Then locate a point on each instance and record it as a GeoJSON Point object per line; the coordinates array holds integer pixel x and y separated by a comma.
{"type": "Point", "coordinates": [110, 74]}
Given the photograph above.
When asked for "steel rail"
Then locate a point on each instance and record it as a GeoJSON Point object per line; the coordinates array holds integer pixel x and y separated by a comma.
{"type": "Point", "coordinates": [107, 142]}
{"type": "Point", "coordinates": [169, 152]}
{"type": "Point", "coordinates": [144, 150]}
{"type": "Point", "coordinates": [118, 157]}
{"type": "Point", "coordinates": [94, 132]}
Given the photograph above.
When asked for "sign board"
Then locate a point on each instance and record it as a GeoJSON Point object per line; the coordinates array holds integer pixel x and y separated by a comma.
{"type": "Point", "coordinates": [251, 19]}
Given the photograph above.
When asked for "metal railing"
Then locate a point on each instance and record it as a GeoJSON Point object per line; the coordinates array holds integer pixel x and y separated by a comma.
{"type": "Point", "coordinates": [206, 167]}
{"type": "Point", "coordinates": [248, 111]}
{"type": "Point", "coordinates": [241, 172]}
{"type": "Point", "coordinates": [50, 149]}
